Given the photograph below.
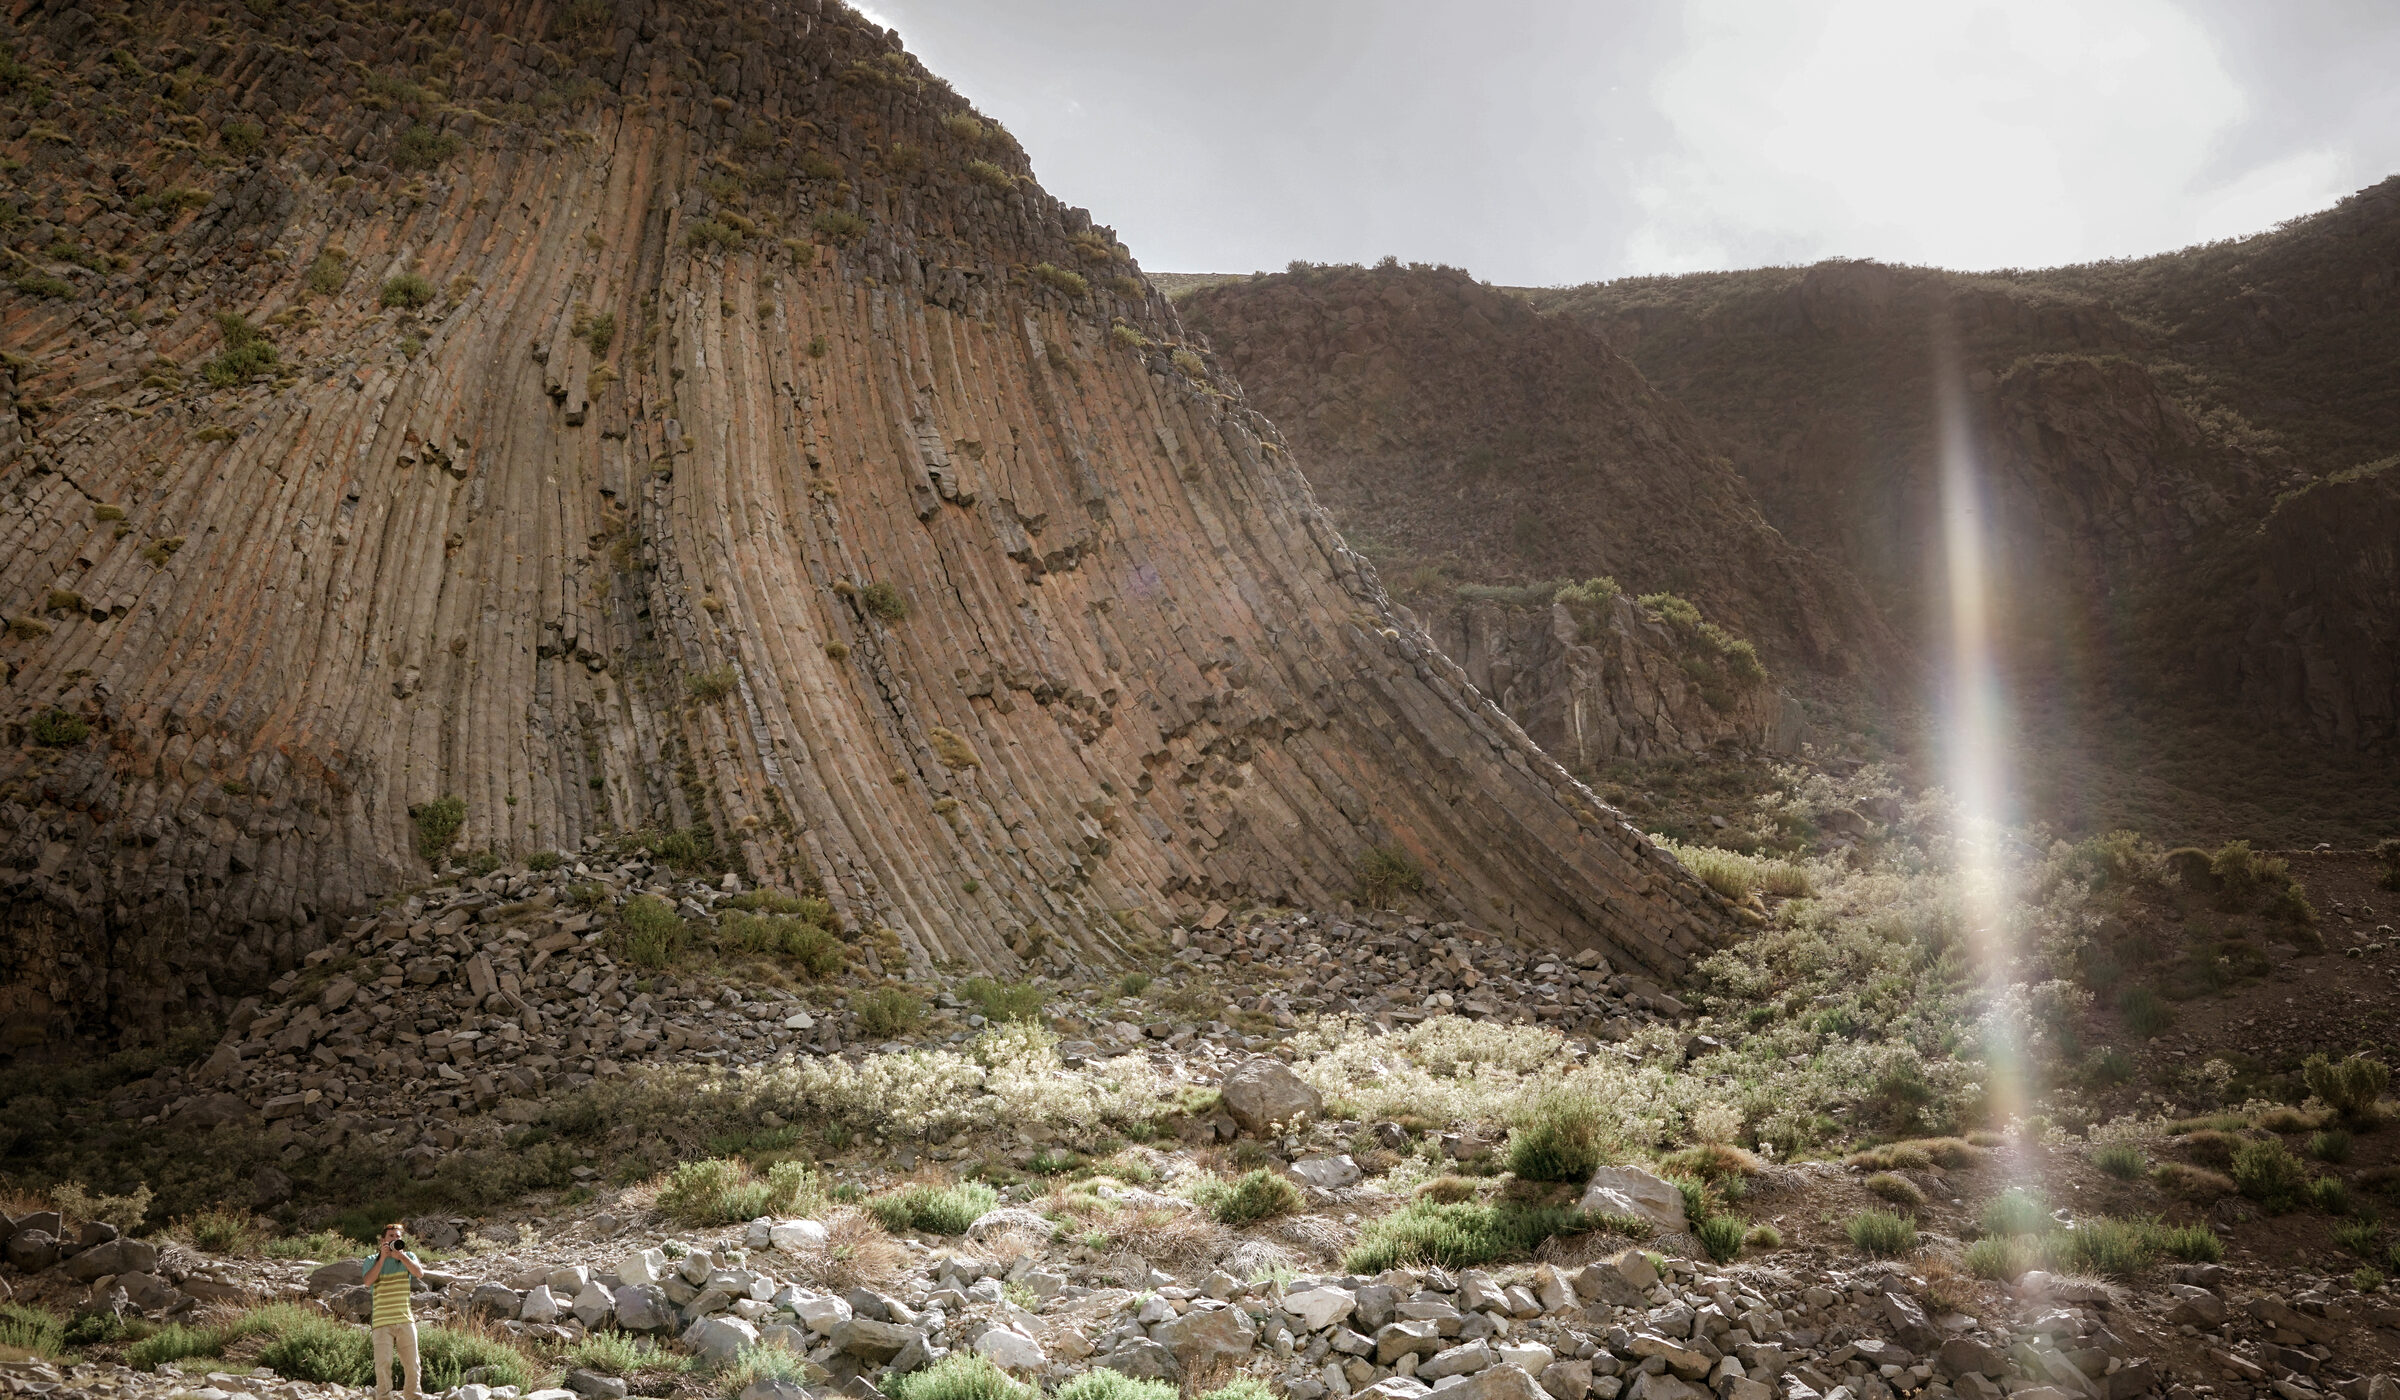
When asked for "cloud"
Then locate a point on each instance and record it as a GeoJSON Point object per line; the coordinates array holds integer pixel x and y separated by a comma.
{"type": "Point", "coordinates": [1967, 135]}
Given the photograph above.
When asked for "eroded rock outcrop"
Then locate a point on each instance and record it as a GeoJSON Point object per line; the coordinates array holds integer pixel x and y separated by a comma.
{"type": "Point", "coordinates": [524, 422]}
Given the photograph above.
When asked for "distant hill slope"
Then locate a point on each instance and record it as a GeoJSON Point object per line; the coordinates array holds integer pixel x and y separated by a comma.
{"type": "Point", "coordinates": [2191, 458]}
{"type": "Point", "coordinates": [1462, 438]}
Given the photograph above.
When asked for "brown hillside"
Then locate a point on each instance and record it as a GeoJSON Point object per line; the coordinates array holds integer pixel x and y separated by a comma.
{"type": "Point", "coordinates": [2189, 456]}
{"type": "Point", "coordinates": [514, 425]}
{"type": "Point", "coordinates": [1467, 439]}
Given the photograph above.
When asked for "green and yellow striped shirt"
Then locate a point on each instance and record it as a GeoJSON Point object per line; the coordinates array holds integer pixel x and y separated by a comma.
{"type": "Point", "coordinates": [390, 1283]}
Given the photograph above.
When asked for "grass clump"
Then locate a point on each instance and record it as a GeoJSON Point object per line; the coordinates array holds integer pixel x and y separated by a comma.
{"type": "Point", "coordinates": [609, 1353]}
{"type": "Point", "coordinates": [2002, 1259]}
{"type": "Point", "coordinates": [322, 1245]}
{"type": "Point", "coordinates": [2145, 1011]}
{"type": "Point", "coordinates": [247, 352]}
{"type": "Point", "coordinates": [2269, 1174]}
{"type": "Point", "coordinates": [1253, 1196]}
{"type": "Point", "coordinates": [329, 271]}
{"type": "Point", "coordinates": [1458, 1234]}
{"type": "Point", "coordinates": [712, 685]}
{"type": "Point", "coordinates": [2115, 1249]}
{"type": "Point", "coordinates": [2332, 1145]}
{"type": "Point", "coordinates": [1003, 1001]}
{"type": "Point", "coordinates": [2349, 1087]}
{"type": "Point", "coordinates": [422, 148]}
{"type": "Point", "coordinates": [805, 941]}
{"type": "Point", "coordinates": [890, 1011]}
{"type": "Point", "coordinates": [884, 600]}
{"type": "Point", "coordinates": [983, 172]}
{"type": "Point", "coordinates": [1897, 1189]}
{"type": "Point", "coordinates": [650, 934]}
{"type": "Point", "coordinates": [438, 824]}
{"type": "Point", "coordinates": [2329, 1194]}
{"type": "Point", "coordinates": [1763, 1238]}
{"type": "Point", "coordinates": [840, 225]}
{"type": "Point", "coordinates": [2362, 1237]}
{"type": "Point", "coordinates": [725, 1191]}
{"type": "Point", "coordinates": [754, 1364]}
{"type": "Point", "coordinates": [959, 1376]}
{"type": "Point", "coordinates": [1881, 1234]}
{"type": "Point", "coordinates": [32, 1330]}
{"type": "Point", "coordinates": [2190, 1182]}
{"type": "Point", "coordinates": [1072, 283]}
{"type": "Point", "coordinates": [408, 291]}
{"type": "Point", "coordinates": [1562, 1135]}
{"type": "Point", "coordinates": [2122, 1160]}
{"type": "Point", "coordinates": [1101, 1383]}
{"type": "Point", "coordinates": [936, 1210]}
{"type": "Point", "coordinates": [1721, 1236]}
{"type": "Point", "coordinates": [55, 728]}
{"type": "Point", "coordinates": [1386, 875]}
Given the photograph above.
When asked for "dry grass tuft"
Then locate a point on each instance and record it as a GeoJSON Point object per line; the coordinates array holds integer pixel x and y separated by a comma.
{"type": "Point", "coordinates": [856, 1254]}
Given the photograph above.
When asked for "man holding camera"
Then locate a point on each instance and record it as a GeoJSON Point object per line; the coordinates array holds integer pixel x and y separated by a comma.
{"type": "Point", "coordinates": [389, 1275]}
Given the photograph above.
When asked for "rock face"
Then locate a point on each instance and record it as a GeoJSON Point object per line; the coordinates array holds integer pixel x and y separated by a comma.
{"type": "Point", "coordinates": [719, 433]}
{"type": "Point", "coordinates": [1471, 438]}
{"type": "Point", "coordinates": [2186, 459]}
{"type": "Point", "coordinates": [1613, 686]}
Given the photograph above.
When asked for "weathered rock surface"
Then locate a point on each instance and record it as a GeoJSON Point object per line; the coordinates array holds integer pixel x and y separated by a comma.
{"type": "Point", "coordinates": [800, 508]}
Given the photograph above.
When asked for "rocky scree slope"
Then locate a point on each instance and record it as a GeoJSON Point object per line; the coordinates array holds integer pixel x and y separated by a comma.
{"type": "Point", "coordinates": [2188, 457]}
{"type": "Point", "coordinates": [1471, 441]}
{"type": "Point", "coordinates": [502, 425]}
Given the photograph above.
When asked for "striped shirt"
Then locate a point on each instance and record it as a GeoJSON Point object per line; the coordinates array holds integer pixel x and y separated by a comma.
{"type": "Point", "coordinates": [391, 1289]}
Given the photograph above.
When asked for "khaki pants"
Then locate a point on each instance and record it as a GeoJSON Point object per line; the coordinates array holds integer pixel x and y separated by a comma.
{"type": "Point", "coordinates": [400, 1337]}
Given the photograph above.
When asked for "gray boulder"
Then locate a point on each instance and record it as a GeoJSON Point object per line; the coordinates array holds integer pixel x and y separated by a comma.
{"type": "Point", "coordinates": [773, 1388]}
{"type": "Point", "coordinates": [1261, 1092]}
{"type": "Point", "coordinates": [115, 1256]}
{"type": "Point", "coordinates": [1205, 1336]}
{"type": "Point", "coordinates": [32, 1251]}
{"type": "Point", "coordinates": [1501, 1382]}
{"type": "Point", "coordinates": [495, 1300]}
{"type": "Point", "coordinates": [718, 1340]}
{"type": "Point", "coordinates": [643, 1307]}
{"type": "Point", "coordinates": [1638, 1193]}
{"type": "Point", "coordinates": [593, 1386]}
{"type": "Point", "coordinates": [594, 1306]}
{"type": "Point", "coordinates": [1144, 1360]}
{"type": "Point", "coordinates": [869, 1340]}
{"type": "Point", "coordinates": [336, 1276]}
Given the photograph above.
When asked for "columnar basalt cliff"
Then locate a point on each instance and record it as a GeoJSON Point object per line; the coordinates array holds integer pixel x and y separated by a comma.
{"type": "Point", "coordinates": [521, 423]}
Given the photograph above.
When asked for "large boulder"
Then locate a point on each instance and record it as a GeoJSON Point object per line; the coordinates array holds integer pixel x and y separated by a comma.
{"type": "Point", "coordinates": [1205, 1336]}
{"type": "Point", "coordinates": [1011, 1351]}
{"type": "Point", "coordinates": [1142, 1359]}
{"type": "Point", "coordinates": [1501, 1382]}
{"type": "Point", "coordinates": [594, 1306]}
{"type": "Point", "coordinates": [591, 1385]}
{"type": "Point", "coordinates": [540, 1305]}
{"type": "Point", "coordinates": [1632, 1191]}
{"type": "Point", "coordinates": [495, 1300]}
{"type": "Point", "coordinates": [869, 1340]}
{"type": "Point", "coordinates": [31, 1251]}
{"type": "Point", "coordinates": [116, 1256]}
{"type": "Point", "coordinates": [642, 1267]}
{"type": "Point", "coordinates": [1262, 1093]}
{"type": "Point", "coordinates": [1328, 1173]}
{"type": "Point", "coordinates": [336, 1276]}
{"type": "Point", "coordinates": [718, 1340]}
{"type": "Point", "coordinates": [796, 1236]}
{"type": "Point", "coordinates": [1315, 1309]}
{"type": "Point", "coordinates": [643, 1307]}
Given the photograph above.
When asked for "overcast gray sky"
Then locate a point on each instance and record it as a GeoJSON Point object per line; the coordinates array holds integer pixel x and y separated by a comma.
{"type": "Point", "coordinates": [1551, 141]}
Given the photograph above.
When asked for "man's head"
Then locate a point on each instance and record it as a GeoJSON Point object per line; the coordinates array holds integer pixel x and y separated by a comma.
{"type": "Point", "coordinates": [392, 1232]}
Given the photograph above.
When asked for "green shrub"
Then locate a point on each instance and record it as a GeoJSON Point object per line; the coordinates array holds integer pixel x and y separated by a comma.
{"type": "Point", "coordinates": [55, 728]}
{"type": "Point", "coordinates": [840, 225]}
{"type": "Point", "coordinates": [544, 860]}
{"type": "Point", "coordinates": [610, 1353]}
{"type": "Point", "coordinates": [323, 1246]}
{"type": "Point", "coordinates": [408, 291]}
{"type": "Point", "coordinates": [1240, 1388]}
{"type": "Point", "coordinates": [1721, 1236]}
{"type": "Point", "coordinates": [884, 600]}
{"type": "Point", "coordinates": [1562, 1134]}
{"type": "Point", "coordinates": [1051, 275]}
{"type": "Point", "coordinates": [1101, 1383]}
{"type": "Point", "coordinates": [1253, 1196]}
{"type": "Point", "coordinates": [1003, 1001]}
{"type": "Point", "coordinates": [1897, 1189]}
{"type": "Point", "coordinates": [1386, 875]}
{"type": "Point", "coordinates": [438, 824]}
{"type": "Point", "coordinates": [725, 1191]}
{"type": "Point", "coordinates": [327, 1352]}
{"type": "Point", "coordinates": [2111, 1066]}
{"type": "Point", "coordinates": [712, 233]}
{"type": "Point", "coordinates": [1133, 984]}
{"type": "Point", "coordinates": [31, 1329]}
{"type": "Point", "coordinates": [2330, 1195]}
{"type": "Point", "coordinates": [2190, 1182]}
{"type": "Point", "coordinates": [2269, 1174]}
{"type": "Point", "coordinates": [219, 1231]}
{"type": "Point", "coordinates": [2349, 1087]}
{"type": "Point", "coordinates": [650, 934]}
{"type": "Point", "coordinates": [2362, 1237]}
{"type": "Point", "coordinates": [2193, 1244]}
{"type": "Point", "coordinates": [2366, 1278]}
{"type": "Point", "coordinates": [2122, 1160]}
{"type": "Point", "coordinates": [2145, 1011]}
{"type": "Point", "coordinates": [959, 1376]}
{"type": "Point", "coordinates": [890, 1011]}
{"type": "Point", "coordinates": [937, 1210]}
{"type": "Point", "coordinates": [983, 172]}
{"type": "Point", "coordinates": [2332, 1145]}
{"type": "Point", "coordinates": [241, 138]}
{"type": "Point", "coordinates": [36, 284]}
{"type": "Point", "coordinates": [422, 148]}
{"type": "Point", "coordinates": [329, 271]}
{"type": "Point", "coordinates": [712, 685]}
{"type": "Point", "coordinates": [1763, 1238]}
{"type": "Point", "coordinates": [754, 1364]}
{"type": "Point", "coordinates": [1882, 1235]}
{"type": "Point", "coordinates": [806, 942]}
{"type": "Point", "coordinates": [1455, 1235]}
{"type": "Point", "coordinates": [2116, 1249]}
{"type": "Point", "coordinates": [247, 352]}
{"type": "Point", "coordinates": [2003, 1258]}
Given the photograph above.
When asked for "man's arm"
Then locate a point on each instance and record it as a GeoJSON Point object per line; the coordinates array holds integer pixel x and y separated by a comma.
{"type": "Point", "coordinates": [410, 1262]}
